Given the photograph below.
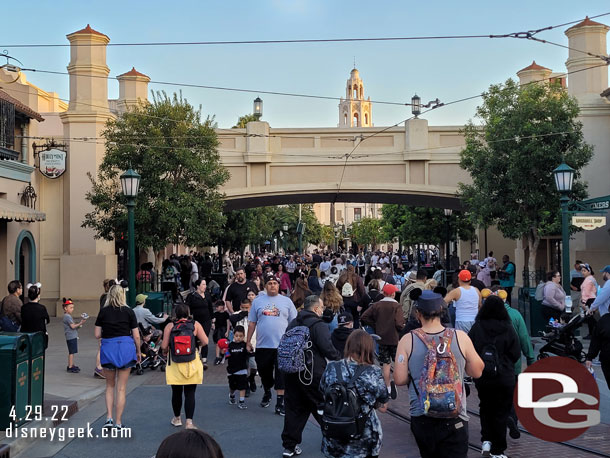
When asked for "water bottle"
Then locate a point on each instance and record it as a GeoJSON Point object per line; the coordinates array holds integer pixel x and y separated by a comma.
{"type": "Point", "coordinates": [592, 371]}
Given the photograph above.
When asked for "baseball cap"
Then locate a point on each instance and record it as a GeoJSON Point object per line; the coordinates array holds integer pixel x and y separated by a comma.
{"type": "Point", "coordinates": [389, 289]}
{"type": "Point", "coordinates": [141, 298]}
{"type": "Point", "coordinates": [430, 302]}
{"type": "Point", "coordinates": [347, 290]}
{"type": "Point", "coordinates": [270, 277]}
{"type": "Point", "coordinates": [345, 318]}
{"type": "Point", "coordinates": [606, 269]}
{"type": "Point", "coordinates": [464, 275]}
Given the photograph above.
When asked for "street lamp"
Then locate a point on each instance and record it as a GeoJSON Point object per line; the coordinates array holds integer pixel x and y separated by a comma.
{"type": "Point", "coordinates": [258, 108]}
{"type": "Point", "coordinates": [448, 213]}
{"type": "Point", "coordinates": [416, 105]}
{"type": "Point", "coordinates": [130, 183]}
{"type": "Point", "coordinates": [564, 178]}
{"type": "Point", "coordinates": [285, 227]}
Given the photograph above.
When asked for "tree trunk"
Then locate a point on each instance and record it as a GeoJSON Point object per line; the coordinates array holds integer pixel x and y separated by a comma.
{"type": "Point", "coordinates": [533, 240]}
{"type": "Point", "coordinates": [158, 259]}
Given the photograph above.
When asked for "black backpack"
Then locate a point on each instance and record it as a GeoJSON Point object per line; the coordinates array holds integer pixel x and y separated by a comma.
{"type": "Point", "coordinates": [182, 341]}
{"type": "Point", "coordinates": [343, 418]}
{"type": "Point", "coordinates": [489, 355]}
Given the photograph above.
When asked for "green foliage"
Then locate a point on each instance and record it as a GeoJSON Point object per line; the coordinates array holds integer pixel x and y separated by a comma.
{"type": "Point", "coordinates": [368, 231]}
{"type": "Point", "coordinates": [243, 120]}
{"type": "Point", "coordinates": [175, 152]}
{"type": "Point", "coordinates": [413, 225]}
{"type": "Point", "coordinates": [254, 226]}
{"type": "Point", "coordinates": [526, 133]}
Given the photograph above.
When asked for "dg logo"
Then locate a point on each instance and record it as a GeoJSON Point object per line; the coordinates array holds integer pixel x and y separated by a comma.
{"type": "Point", "coordinates": [557, 399]}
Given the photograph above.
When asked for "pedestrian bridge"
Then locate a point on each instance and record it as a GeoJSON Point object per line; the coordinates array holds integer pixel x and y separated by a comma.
{"type": "Point", "coordinates": [412, 164]}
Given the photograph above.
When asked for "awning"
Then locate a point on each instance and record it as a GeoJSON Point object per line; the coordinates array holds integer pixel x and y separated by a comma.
{"type": "Point", "coordinates": [15, 212]}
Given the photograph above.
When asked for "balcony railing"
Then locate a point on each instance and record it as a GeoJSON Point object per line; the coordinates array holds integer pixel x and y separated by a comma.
{"type": "Point", "coordinates": [9, 154]}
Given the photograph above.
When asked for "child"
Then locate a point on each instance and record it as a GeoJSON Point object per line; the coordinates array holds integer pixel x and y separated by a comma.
{"type": "Point", "coordinates": [237, 367]}
{"type": "Point", "coordinates": [241, 319]}
{"type": "Point", "coordinates": [220, 325]}
{"type": "Point", "coordinates": [70, 330]}
{"type": "Point", "coordinates": [342, 332]}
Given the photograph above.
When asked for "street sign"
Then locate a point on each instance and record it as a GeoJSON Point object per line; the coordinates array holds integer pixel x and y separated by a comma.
{"type": "Point", "coordinates": [599, 203]}
{"type": "Point", "coordinates": [588, 223]}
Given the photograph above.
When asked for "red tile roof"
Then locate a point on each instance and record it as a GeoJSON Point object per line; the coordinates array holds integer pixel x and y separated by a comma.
{"type": "Point", "coordinates": [533, 66]}
{"type": "Point", "coordinates": [89, 30]}
{"type": "Point", "coordinates": [20, 107]}
{"type": "Point", "coordinates": [134, 72]}
{"type": "Point", "coordinates": [585, 23]}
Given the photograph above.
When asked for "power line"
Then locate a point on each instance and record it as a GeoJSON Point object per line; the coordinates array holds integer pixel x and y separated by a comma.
{"type": "Point", "coordinates": [297, 41]}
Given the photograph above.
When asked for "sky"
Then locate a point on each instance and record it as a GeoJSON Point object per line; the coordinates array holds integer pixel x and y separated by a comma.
{"type": "Point", "coordinates": [391, 70]}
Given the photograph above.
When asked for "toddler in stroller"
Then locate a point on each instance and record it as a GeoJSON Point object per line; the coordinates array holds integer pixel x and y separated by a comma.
{"type": "Point", "coordinates": [150, 345]}
{"type": "Point", "coordinates": [561, 340]}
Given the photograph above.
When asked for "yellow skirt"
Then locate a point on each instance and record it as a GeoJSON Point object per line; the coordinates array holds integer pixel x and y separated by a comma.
{"type": "Point", "coordinates": [190, 373]}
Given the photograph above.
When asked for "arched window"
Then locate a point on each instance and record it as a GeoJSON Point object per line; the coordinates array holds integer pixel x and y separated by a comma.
{"type": "Point", "coordinates": [361, 92]}
{"type": "Point", "coordinates": [366, 119]}
{"type": "Point", "coordinates": [355, 91]}
{"type": "Point", "coordinates": [345, 119]}
{"type": "Point", "coordinates": [356, 123]}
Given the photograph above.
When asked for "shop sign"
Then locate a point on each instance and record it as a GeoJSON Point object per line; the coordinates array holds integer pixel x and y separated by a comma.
{"type": "Point", "coordinates": [52, 163]}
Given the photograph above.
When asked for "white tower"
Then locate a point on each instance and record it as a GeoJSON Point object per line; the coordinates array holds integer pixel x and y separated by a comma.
{"type": "Point", "coordinates": [354, 110]}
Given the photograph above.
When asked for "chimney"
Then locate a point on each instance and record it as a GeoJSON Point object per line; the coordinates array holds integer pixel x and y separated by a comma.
{"type": "Point", "coordinates": [133, 89]}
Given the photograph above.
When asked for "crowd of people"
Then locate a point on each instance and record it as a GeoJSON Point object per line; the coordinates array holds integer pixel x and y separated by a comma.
{"type": "Point", "coordinates": [308, 325]}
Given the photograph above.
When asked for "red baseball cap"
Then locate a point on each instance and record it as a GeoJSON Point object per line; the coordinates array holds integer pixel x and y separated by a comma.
{"type": "Point", "coordinates": [389, 289]}
{"type": "Point", "coordinates": [464, 275]}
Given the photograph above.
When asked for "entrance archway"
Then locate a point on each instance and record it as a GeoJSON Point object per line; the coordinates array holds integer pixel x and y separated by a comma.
{"type": "Point", "coordinates": [25, 258]}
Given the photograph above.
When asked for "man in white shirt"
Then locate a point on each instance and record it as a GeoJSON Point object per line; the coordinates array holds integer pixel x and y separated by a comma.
{"type": "Point", "coordinates": [325, 265]}
{"type": "Point", "coordinates": [375, 259]}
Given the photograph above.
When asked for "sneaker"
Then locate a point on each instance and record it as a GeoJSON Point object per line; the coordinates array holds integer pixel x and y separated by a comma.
{"type": "Point", "coordinates": [280, 409]}
{"type": "Point", "coordinates": [109, 423]}
{"type": "Point", "coordinates": [266, 401]}
{"type": "Point", "coordinates": [247, 392]}
{"type": "Point", "coordinates": [513, 429]}
{"type": "Point", "coordinates": [253, 386]}
{"type": "Point", "coordinates": [486, 448]}
{"type": "Point", "coordinates": [205, 366]}
{"type": "Point", "coordinates": [176, 421]}
{"type": "Point", "coordinates": [119, 426]}
{"type": "Point", "coordinates": [393, 392]}
{"type": "Point", "coordinates": [72, 370]}
{"type": "Point", "coordinates": [217, 361]}
{"type": "Point", "coordinates": [294, 452]}
{"type": "Point", "coordinates": [242, 405]}
{"type": "Point", "coordinates": [76, 368]}
{"type": "Point", "coordinates": [98, 373]}
{"type": "Point", "coordinates": [190, 425]}
{"type": "Point", "coordinates": [499, 456]}
{"type": "Point", "coordinates": [232, 400]}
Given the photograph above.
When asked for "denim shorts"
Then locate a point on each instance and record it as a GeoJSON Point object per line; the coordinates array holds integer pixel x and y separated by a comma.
{"type": "Point", "coordinates": [72, 346]}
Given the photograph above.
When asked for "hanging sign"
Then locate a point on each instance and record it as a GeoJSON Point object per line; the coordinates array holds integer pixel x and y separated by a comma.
{"type": "Point", "coordinates": [52, 163]}
{"type": "Point", "coordinates": [588, 223]}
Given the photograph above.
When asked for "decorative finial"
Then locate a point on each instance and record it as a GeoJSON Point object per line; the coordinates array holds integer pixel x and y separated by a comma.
{"type": "Point", "coordinates": [354, 61]}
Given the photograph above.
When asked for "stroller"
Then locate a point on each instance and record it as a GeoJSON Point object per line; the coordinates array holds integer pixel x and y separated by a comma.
{"type": "Point", "coordinates": [150, 346]}
{"type": "Point", "coordinates": [562, 341]}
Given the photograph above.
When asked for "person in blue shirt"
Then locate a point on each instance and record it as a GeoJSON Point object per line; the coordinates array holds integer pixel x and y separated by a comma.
{"type": "Point", "coordinates": [602, 301]}
{"type": "Point", "coordinates": [507, 277]}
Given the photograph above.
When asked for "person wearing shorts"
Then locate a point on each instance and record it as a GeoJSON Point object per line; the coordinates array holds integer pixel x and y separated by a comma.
{"type": "Point", "coordinates": [387, 319]}
{"type": "Point", "coordinates": [71, 333]}
{"type": "Point", "coordinates": [117, 327]}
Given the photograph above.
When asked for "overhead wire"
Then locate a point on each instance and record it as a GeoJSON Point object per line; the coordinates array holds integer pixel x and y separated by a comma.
{"type": "Point", "coordinates": [290, 41]}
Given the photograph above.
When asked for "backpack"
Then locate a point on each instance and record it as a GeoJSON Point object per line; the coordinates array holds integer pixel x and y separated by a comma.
{"type": "Point", "coordinates": [182, 341]}
{"type": "Point", "coordinates": [489, 355]}
{"type": "Point", "coordinates": [169, 273]}
{"type": "Point", "coordinates": [440, 385]}
{"type": "Point", "coordinates": [343, 418]}
{"type": "Point", "coordinates": [294, 353]}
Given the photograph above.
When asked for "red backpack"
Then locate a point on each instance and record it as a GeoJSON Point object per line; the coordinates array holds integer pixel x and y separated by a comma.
{"type": "Point", "coordinates": [182, 341]}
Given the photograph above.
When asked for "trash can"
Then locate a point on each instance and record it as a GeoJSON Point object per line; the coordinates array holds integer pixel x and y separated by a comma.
{"type": "Point", "coordinates": [159, 302]}
{"type": "Point", "coordinates": [537, 321]}
{"type": "Point", "coordinates": [14, 383]}
{"type": "Point", "coordinates": [37, 358]}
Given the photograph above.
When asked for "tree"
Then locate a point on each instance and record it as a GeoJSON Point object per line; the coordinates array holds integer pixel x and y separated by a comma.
{"type": "Point", "coordinates": [243, 120]}
{"type": "Point", "coordinates": [527, 132]}
{"type": "Point", "coordinates": [424, 225]}
{"type": "Point", "coordinates": [175, 152]}
{"type": "Point", "coordinates": [368, 231]}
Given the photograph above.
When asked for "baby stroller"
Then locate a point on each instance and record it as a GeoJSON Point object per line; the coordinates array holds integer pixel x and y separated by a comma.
{"type": "Point", "coordinates": [150, 346]}
{"type": "Point", "coordinates": [562, 341]}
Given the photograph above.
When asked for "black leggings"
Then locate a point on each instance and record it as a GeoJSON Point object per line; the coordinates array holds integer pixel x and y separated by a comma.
{"type": "Point", "coordinates": [189, 400]}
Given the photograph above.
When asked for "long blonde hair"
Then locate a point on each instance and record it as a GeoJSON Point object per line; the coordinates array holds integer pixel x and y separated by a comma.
{"type": "Point", "coordinates": [116, 297]}
{"type": "Point", "coordinates": [331, 297]}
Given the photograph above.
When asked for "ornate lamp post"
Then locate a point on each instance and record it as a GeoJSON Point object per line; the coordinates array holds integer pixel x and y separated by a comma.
{"type": "Point", "coordinates": [258, 108]}
{"type": "Point", "coordinates": [130, 182]}
{"type": "Point", "coordinates": [285, 227]}
{"type": "Point", "coordinates": [448, 213]}
{"type": "Point", "coordinates": [416, 105]}
{"type": "Point", "coordinates": [564, 178]}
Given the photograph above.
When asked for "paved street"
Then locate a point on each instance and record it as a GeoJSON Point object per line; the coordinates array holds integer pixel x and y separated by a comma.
{"type": "Point", "coordinates": [253, 433]}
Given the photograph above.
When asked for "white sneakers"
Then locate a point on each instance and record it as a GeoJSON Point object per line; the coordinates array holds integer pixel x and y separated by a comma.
{"type": "Point", "coordinates": [486, 448]}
